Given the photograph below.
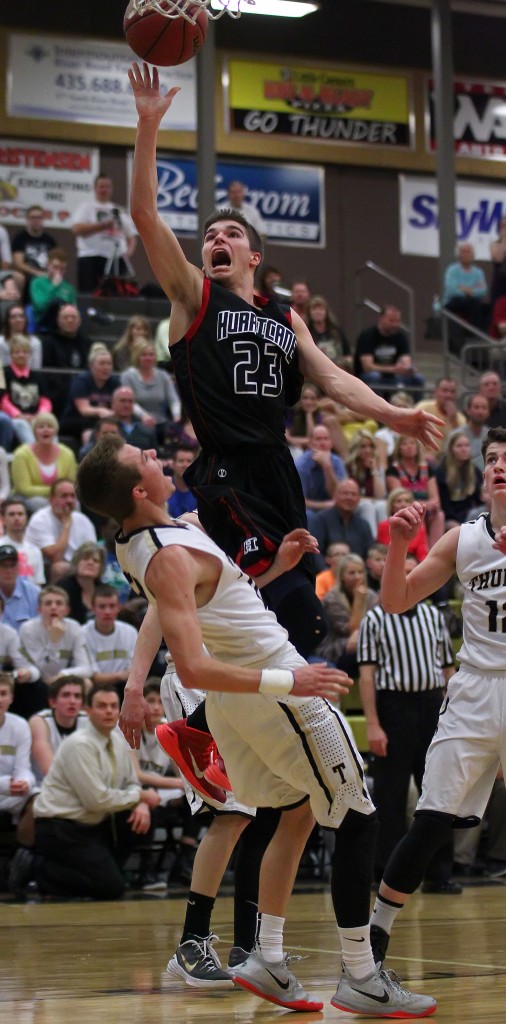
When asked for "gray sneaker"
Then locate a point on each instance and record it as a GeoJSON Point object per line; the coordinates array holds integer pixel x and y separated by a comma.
{"type": "Point", "coordinates": [381, 995]}
{"type": "Point", "coordinates": [273, 982]}
{"type": "Point", "coordinates": [198, 964]}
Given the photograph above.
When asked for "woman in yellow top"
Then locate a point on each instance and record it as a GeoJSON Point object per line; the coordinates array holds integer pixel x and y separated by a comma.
{"type": "Point", "coordinates": [36, 466]}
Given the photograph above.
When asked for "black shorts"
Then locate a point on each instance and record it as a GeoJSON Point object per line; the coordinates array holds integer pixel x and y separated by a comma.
{"type": "Point", "coordinates": [248, 502]}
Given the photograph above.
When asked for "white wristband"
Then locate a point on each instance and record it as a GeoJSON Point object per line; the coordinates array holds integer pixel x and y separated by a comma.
{"type": "Point", "coordinates": [276, 681]}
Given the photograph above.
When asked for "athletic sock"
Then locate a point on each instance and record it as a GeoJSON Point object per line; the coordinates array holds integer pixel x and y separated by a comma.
{"type": "Point", "coordinates": [245, 920]}
{"type": "Point", "coordinates": [198, 719]}
{"type": "Point", "coordinates": [356, 951]}
{"type": "Point", "coordinates": [269, 938]}
{"type": "Point", "coordinates": [384, 913]}
{"type": "Point", "coordinates": [197, 923]}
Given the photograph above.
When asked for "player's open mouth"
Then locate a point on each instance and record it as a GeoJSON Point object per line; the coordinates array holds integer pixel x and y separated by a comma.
{"type": "Point", "coordinates": [220, 258]}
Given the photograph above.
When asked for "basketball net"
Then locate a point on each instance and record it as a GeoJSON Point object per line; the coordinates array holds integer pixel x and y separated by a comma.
{"type": "Point", "coordinates": [189, 9]}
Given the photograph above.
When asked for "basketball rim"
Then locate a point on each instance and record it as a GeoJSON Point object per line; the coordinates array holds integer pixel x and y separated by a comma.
{"type": "Point", "coordinates": [189, 9]}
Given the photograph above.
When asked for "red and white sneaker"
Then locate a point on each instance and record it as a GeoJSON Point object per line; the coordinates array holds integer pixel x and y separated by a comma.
{"type": "Point", "coordinates": [191, 750]}
{"type": "Point", "coordinates": [216, 771]}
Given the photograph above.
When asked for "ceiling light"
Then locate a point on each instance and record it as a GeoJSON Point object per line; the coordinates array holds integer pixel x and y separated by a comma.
{"type": "Point", "coordinates": [281, 8]}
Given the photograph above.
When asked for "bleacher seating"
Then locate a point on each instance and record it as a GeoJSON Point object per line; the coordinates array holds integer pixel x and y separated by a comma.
{"type": "Point", "coordinates": [119, 310]}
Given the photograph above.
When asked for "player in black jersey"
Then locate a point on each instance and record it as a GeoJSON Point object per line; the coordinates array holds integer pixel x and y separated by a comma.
{"type": "Point", "coordinates": [239, 362]}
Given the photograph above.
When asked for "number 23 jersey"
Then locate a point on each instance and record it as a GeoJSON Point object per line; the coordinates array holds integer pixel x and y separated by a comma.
{"type": "Point", "coordinates": [482, 571]}
{"type": "Point", "coordinates": [237, 371]}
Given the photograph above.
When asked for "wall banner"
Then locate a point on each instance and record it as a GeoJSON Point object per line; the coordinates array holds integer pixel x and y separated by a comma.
{"type": "Point", "coordinates": [342, 106]}
{"type": "Point", "coordinates": [479, 210]}
{"type": "Point", "coordinates": [479, 122]}
{"type": "Point", "coordinates": [289, 197]}
{"type": "Point", "coordinates": [84, 80]}
{"type": "Point", "coordinates": [54, 176]}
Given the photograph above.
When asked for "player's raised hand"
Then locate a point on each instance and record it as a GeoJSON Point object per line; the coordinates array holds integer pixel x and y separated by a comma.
{"type": "Point", "coordinates": [135, 714]}
{"type": "Point", "coordinates": [294, 545]}
{"type": "Point", "coordinates": [417, 423]}
{"type": "Point", "coordinates": [320, 681]}
{"type": "Point", "coordinates": [405, 524]}
{"type": "Point", "coordinates": [149, 100]}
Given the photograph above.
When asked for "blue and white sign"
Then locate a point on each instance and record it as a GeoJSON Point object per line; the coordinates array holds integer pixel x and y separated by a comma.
{"type": "Point", "coordinates": [290, 198]}
{"type": "Point", "coordinates": [85, 80]}
{"type": "Point", "coordinates": [479, 210]}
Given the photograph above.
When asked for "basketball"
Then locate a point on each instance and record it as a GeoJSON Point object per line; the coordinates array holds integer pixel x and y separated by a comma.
{"type": "Point", "coordinates": [165, 41]}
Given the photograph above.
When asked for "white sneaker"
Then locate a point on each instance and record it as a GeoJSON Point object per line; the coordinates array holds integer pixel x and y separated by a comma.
{"type": "Point", "coordinates": [274, 982]}
{"type": "Point", "coordinates": [381, 995]}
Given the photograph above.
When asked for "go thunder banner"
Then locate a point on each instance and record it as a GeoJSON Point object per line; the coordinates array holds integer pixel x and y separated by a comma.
{"type": "Point", "coordinates": [338, 105]}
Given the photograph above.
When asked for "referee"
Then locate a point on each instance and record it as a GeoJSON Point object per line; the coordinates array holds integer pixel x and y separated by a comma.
{"type": "Point", "coordinates": [405, 662]}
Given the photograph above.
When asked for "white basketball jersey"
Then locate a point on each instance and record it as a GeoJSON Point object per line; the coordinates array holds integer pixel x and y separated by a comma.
{"type": "Point", "coordinates": [235, 624]}
{"type": "Point", "coordinates": [482, 571]}
{"type": "Point", "coordinates": [56, 738]}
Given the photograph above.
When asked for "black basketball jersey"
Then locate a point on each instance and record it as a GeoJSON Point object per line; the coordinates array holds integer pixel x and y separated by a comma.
{"type": "Point", "coordinates": [237, 370]}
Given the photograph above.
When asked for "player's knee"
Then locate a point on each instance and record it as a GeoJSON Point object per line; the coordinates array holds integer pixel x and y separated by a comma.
{"type": "Point", "coordinates": [406, 867]}
{"type": "Point", "coordinates": [298, 819]}
{"type": "Point", "coordinates": [355, 841]}
{"type": "Point", "coordinates": [229, 825]}
{"type": "Point", "coordinates": [355, 824]}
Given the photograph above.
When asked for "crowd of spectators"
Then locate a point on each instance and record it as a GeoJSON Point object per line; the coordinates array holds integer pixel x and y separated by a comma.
{"type": "Point", "coordinates": [476, 302]}
{"type": "Point", "coordinates": [68, 623]}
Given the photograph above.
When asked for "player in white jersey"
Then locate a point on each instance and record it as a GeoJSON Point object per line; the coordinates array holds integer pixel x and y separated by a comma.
{"type": "Point", "coordinates": [52, 725]}
{"type": "Point", "coordinates": [469, 745]}
{"type": "Point", "coordinates": [284, 744]}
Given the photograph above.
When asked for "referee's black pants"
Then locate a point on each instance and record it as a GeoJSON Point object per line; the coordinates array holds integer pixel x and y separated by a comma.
{"type": "Point", "coordinates": [72, 859]}
{"type": "Point", "coordinates": [409, 720]}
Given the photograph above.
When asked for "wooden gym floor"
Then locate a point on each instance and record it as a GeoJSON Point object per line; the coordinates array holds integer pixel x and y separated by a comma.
{"type": "Point", "coordinates": [81, 963]}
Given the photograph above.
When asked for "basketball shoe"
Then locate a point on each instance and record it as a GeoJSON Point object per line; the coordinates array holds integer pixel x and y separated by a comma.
{"type": "Point", "coordinates": [191, 750]}
{"type": "Point", "coordinates": [273, 982]}
{"type": "Point", "coordinates": [381, 995]}
{"type": "Point", "coordinates": [236, 957]}
{"type": "Point", "coordinates": [216, 772]}
{"type": "Point", "coordinates": [198, 964]}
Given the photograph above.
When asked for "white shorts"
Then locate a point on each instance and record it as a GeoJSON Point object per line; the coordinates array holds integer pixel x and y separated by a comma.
{"type": "Point", "coordinates": [14, 805]}
{"type": "Point", "coordinates": [277, 752]}
{"type": "Point", "coordinates": [178, 702]}
{"type": "Point", "coordinates": [468, 747]}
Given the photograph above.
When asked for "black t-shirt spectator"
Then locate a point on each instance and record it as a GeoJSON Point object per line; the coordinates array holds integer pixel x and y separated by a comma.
{"type": "Point", "coordinates": [25, 392]}
{"type": "Point", "coordinates": [385, 350]}
{"type": "Point", "coordinates": [497, 415]}
{"type": "Point", "coordinates": [61, 352]}
{"type": "Point", "coordinates": [84, 386]}
{"type": "Point", "coordinates": [35, 249]}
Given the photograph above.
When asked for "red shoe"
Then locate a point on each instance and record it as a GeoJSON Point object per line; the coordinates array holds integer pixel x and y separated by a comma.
{"type": "Point", "coordinates": [191, 750]}
{"type": "Point", "coordinates": [216, 771]}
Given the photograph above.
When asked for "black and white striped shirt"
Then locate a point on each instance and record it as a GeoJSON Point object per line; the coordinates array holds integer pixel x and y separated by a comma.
{"type": "Point", "coordinates": [409, 650]}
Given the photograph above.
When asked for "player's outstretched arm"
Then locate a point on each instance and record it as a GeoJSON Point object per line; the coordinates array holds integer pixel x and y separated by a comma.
{"type": "Point", "coordinates": [177, 614]}
{"type": "Point", "coordinates": [342, 386]}
{"type": "Point", "coordinates": [400, 592]}
{"type": "Point", "coordinates": [178, 278]}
